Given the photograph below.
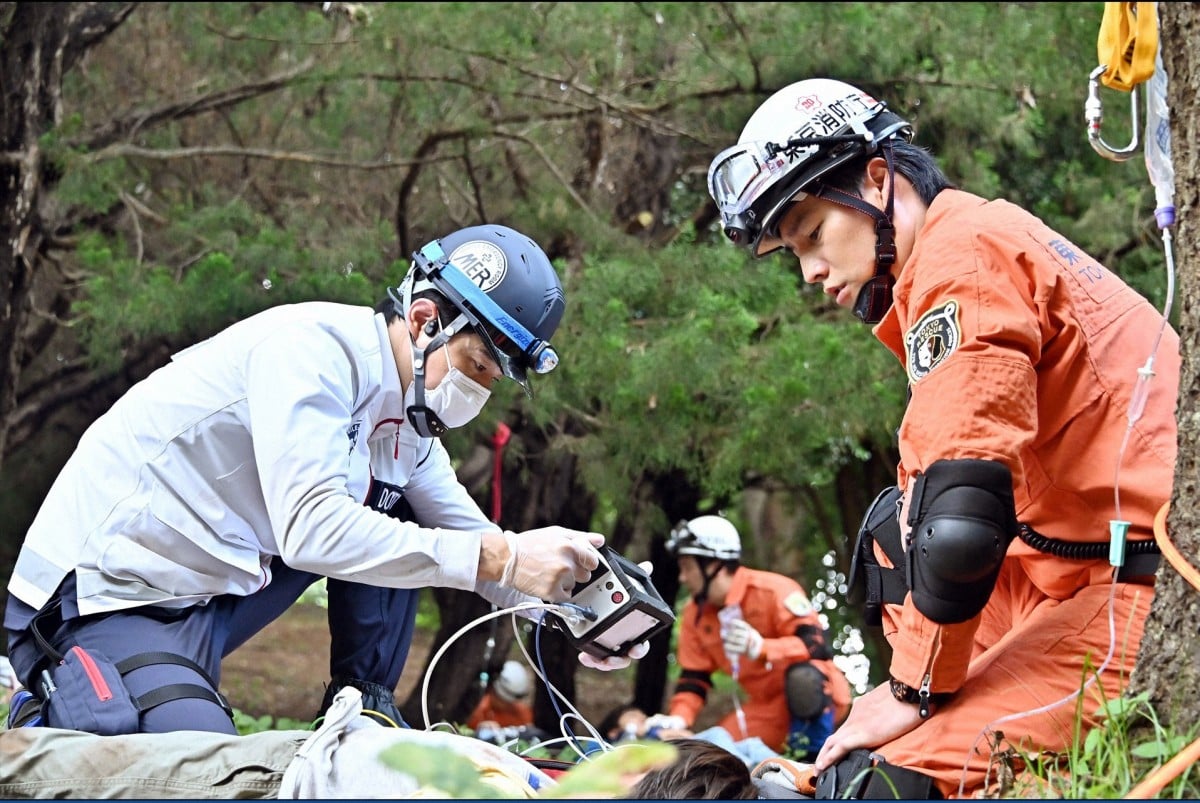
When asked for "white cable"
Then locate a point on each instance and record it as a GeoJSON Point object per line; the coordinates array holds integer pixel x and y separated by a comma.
{"type": "Point", "coordinates": [573, 711]}
{"type": "Point", "coordinates": [524, 606]}
{"type": "Point", "coordinates": [563, 611]}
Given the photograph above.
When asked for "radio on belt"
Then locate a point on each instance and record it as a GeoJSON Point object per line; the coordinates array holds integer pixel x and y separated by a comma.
{"type": "Point", "coordinates": [621, 608]}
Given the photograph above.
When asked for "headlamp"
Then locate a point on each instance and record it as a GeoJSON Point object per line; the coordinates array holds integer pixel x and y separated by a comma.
{"type": "Point", "coordinates": [681, 536]}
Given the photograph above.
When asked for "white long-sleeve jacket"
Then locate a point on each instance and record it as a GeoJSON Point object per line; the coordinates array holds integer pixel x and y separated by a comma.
{"type": "Point", "coordinates": [260, 441]}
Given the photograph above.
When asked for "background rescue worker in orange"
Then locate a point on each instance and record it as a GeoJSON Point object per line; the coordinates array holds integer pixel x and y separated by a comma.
{"type": "Point", "coordinates": [760, 628]}
{"type": "Point", "coordinates": [505, 704]}
{"type": "Point", "coordinates": [1023, 438]}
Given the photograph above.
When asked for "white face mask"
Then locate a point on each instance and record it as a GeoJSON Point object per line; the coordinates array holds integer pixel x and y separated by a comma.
{"type": "Point", "coordinates": [456, 400]}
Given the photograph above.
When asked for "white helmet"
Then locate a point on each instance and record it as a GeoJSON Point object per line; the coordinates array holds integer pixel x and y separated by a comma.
{"type": "Point", "coordinates": [512, 683]}
{"type": "Point", "coordinates": [706, 537]}
{"type": "Point", "coordinates": [795, 137]}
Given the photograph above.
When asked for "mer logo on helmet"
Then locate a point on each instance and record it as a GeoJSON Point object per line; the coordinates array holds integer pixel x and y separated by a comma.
{"type": "Point", "coordinates": [483, 262]}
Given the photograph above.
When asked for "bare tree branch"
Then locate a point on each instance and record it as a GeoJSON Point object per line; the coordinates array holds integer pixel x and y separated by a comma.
{"type": "Point", "coordinates": [553, 168]}
{"type": "Point", "coordinates": [127, 125]}
{"type": "Point", "coordinates": [122, 150]}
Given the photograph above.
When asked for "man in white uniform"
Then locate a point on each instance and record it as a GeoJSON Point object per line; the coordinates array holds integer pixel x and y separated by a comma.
{"type": "Point", "coordinates": [297, 444]}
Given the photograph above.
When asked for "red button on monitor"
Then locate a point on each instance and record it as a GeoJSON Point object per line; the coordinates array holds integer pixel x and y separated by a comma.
{"type": "Point", "coordinates": [618, 598]}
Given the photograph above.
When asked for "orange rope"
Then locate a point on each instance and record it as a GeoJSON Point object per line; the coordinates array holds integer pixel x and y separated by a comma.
{"type": "Point", "coordinates": [1169, 551]}
{"type": "Point", "coordinates": [1153, 783]}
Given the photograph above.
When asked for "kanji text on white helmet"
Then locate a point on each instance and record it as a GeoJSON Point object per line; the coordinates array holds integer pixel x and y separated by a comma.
{"type": "Point", "coordinates": [795, 137]}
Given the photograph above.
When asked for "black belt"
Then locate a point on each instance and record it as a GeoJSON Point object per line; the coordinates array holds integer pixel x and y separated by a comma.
{"type": "Point", "coordinates": [1142, 558]}
{"type": "Point", "coordinates": [1140, 568]}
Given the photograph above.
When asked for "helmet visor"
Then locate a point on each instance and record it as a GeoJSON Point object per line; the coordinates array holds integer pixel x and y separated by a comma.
{"type": "Point", "coordinates": [740, 177]}
{"type": "Point", "coordinates": [515, 349]}
{"type": "Point", "coordinates": [681, 536]}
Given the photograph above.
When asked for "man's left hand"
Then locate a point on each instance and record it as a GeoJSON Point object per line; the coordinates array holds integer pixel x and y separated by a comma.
{"type": "Point", "coordinates": [612, 662]}
{"type": "Point", "coordinates": [742, 639]}
{"type": "Point", "coordinates": [875, 718]}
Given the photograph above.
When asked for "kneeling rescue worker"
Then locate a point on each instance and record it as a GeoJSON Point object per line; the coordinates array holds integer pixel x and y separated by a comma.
{"type": "Point", "coordinates": [987, 563]}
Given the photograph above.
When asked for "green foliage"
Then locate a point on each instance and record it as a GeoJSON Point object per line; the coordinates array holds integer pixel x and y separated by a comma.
{"type": "Point", "coordinates": [605, 775]}
{"type": "Point", "coordinates": [441, 769]}
{"type": "Point", "coordinates": [449, 773]}
{"type": "Point", "coordinates": [247, 724]}
{"type": "Point", "coordinates": [1127, 742]}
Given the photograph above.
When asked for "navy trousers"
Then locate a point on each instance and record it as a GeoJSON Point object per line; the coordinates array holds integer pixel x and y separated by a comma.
{"type": "Point", "coordinates": [371, 631]}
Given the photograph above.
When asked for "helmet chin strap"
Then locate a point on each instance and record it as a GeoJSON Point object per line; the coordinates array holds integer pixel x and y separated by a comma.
{"type": "Point", "coordinates": [701, 597]}
{"type": "Point", "coordinates": [875, 297]}
{"type": "Point", "coordinates": [424, 421]}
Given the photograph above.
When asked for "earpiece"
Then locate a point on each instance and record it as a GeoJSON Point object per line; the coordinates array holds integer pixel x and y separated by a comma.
{"type": "Point", "coordinates": [431, 328]}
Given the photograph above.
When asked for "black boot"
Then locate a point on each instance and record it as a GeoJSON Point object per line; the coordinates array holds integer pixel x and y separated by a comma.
{"type": "Point", "coordinates": [378, 701]}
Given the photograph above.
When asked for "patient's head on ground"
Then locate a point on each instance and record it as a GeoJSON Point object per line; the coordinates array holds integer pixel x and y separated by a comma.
{"type": "Point", "coordinates": [702, 771]}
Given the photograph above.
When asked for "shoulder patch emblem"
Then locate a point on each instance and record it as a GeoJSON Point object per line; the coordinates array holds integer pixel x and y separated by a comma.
{"type": "Point", "coordinates": [932, 339]}
{"type": "Point", "coordinates": [798, 603]}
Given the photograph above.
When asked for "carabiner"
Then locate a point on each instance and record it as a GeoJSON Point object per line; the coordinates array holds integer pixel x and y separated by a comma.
{"type": "Point", "coordinates": [1094, 112]}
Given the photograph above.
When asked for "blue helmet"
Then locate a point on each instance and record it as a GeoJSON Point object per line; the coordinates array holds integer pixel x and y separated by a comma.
{"type": "Point", "coordinates": [504, 288]}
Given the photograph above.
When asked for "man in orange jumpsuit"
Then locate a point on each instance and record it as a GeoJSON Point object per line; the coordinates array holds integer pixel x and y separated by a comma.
{"type": "Point", "coordinates": [505, 704]}
{"type": "Point", "coordinates": [1028, 431]}
{"type": "Point", "coordinates": [760, 628]}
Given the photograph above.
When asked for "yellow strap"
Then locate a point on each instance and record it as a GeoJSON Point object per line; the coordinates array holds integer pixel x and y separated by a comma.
{"type": "Point", "coordinates": [1128, 43]}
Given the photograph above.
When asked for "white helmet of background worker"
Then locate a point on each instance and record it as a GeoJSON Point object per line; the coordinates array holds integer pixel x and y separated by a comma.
{"type": "Point", "coordinates": [513, 683]}
{"type": "Point", "coordinates": [798, 136]}
{"type": "Point", "coordinates": [503, 287]}
{"type": "Point", "coordinates": [706, 537]}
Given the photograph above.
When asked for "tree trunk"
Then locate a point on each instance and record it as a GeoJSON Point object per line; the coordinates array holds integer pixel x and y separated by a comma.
{"type": "Point", "coordinates": [1168, 664]}
{"type": "Point", "coordinates": [42, 42]}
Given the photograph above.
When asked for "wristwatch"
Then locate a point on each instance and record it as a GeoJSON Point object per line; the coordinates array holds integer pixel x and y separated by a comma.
{"type": "Point", "coordinates": [907, 694]}
{"type": "Point", "coordinates": [903, 692]}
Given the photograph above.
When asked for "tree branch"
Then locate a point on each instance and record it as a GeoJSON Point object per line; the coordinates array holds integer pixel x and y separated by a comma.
{"type": "Point", "coordinates": [127, 125]}
{"type": "Point", "coordinates": [122, 150]}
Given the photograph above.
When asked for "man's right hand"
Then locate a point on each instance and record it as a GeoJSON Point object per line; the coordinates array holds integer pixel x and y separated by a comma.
{"type": "Point", "coordinates": [548, 562]}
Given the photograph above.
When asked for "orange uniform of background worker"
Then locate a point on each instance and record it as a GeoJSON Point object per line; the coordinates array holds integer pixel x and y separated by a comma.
{"type": "Point", "coordinates": [505, 703]}
{"type": "Point", "coordinates": [773, 640]}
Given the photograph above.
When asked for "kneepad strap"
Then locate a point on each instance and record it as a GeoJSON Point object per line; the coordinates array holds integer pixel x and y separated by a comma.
{"type": "Point", "coordinates": [963, 518]}
{"type": "Point", "coordinates": [870, 582]}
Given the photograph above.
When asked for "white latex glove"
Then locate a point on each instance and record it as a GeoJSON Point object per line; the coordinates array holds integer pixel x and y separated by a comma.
{"type": "Point", "coordinates": [8, 676]}
{"type": "Point", "coordinates": [547, 563]}
{"type": "Point", "coordinates": [742, 639]}
{"type": "Point", "coordinates": [666, 722]}
{"type": "Point", "coordinates": [611, 662]}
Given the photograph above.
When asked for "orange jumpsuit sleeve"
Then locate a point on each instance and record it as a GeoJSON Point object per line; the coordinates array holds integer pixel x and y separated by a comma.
{"type": "Point", "coordinates": [780, 600]}
{"type": "Point", "coordinates": [696, 665]}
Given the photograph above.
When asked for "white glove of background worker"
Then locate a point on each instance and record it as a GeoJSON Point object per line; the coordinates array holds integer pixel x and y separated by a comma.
{"type": "Point", "coordinates": [665, 722]}
{"type": "Point", "coordinates": [547, 563]}
{"type": "Point", "coordinates": [740, 638]}
{"type": "Point", "coordinates": [636, 652]}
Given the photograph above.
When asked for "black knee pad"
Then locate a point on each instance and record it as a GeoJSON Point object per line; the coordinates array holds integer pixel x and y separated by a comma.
{"type": "Point", "coordinates": [963, 518]}
{"type": "Point", "coordinates": [804, 687]}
